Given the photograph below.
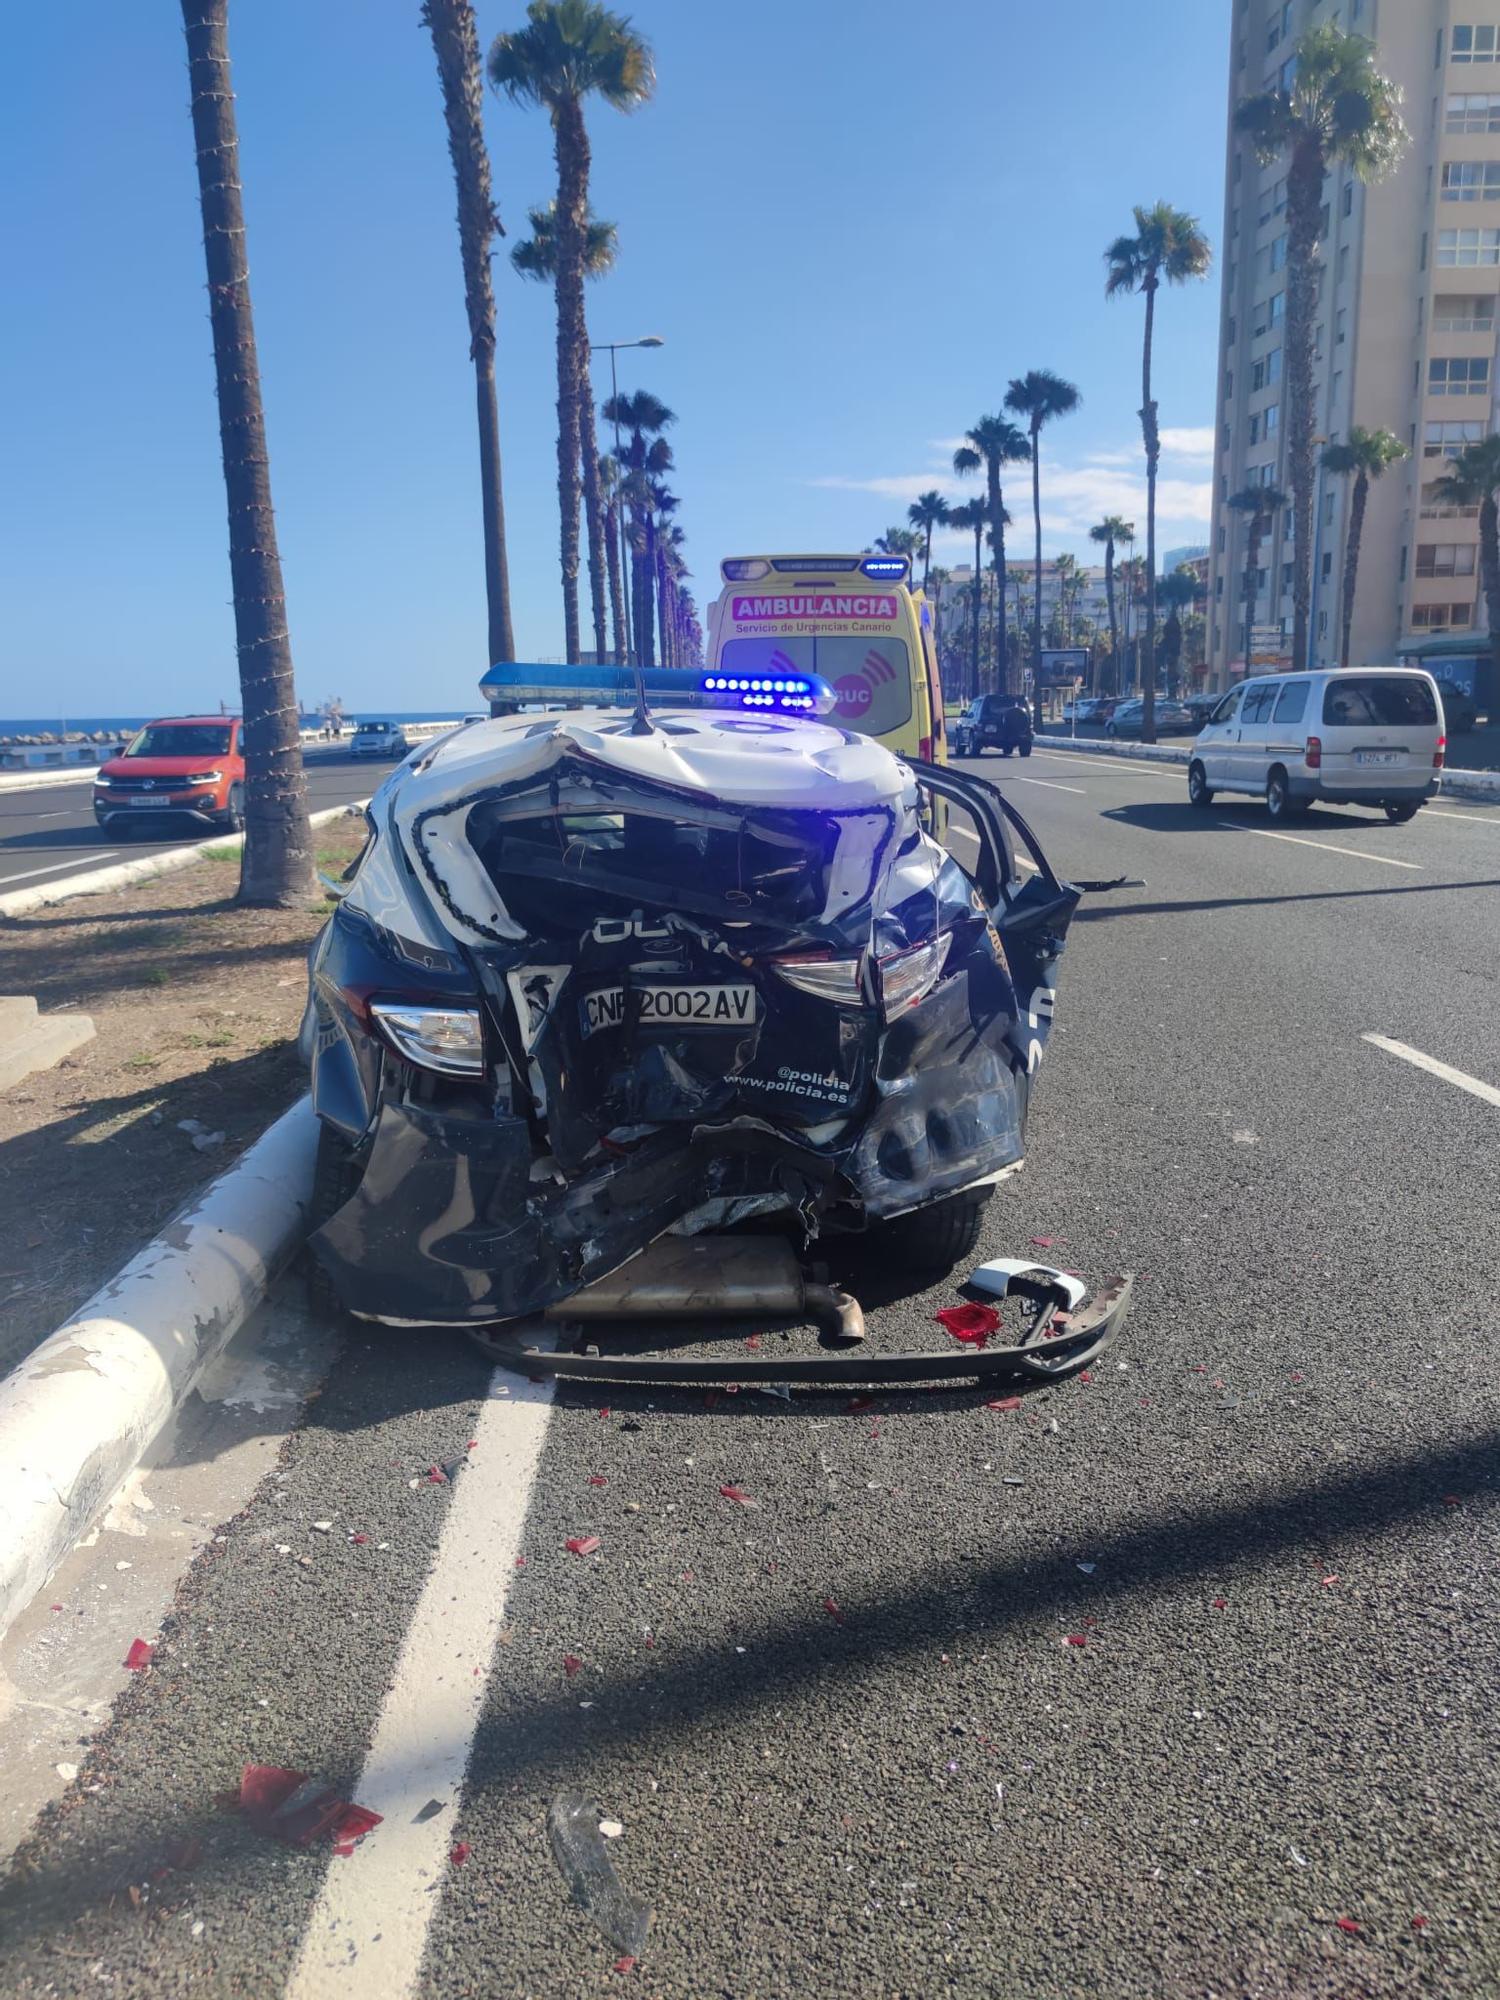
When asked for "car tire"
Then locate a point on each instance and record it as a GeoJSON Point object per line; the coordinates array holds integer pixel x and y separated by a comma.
{"type": "Point", "coordinates": [1399, 815]}
{"type": "Point", "coordinates": [1200, 793]}
{"type": "Point", "coordinates": [1280, 804]}
{"type": "Point", "coordinates": [1025, 749]}
{"type": "Point", "coordinates": [936, 1238]}
{"type": "Point", "coordinates": [337, 1172]}
{"type": "Point", "coordinates": [1006, 748]}
{"type": "Point", "coordinates": [233, 818]}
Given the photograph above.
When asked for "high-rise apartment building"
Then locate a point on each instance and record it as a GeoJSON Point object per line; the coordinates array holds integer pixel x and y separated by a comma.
{"type": "Point", "coordinates": [1405, 341]}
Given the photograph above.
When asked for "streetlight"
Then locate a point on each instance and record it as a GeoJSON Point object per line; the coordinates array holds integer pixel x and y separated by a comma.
{"type": "Point", "coordinates": [612, 348]}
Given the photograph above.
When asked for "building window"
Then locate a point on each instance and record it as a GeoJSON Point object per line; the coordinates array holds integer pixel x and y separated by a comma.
{"type": "Point", "coordinates": [1223, 541]}
{"type": "Point", "coordinates": [1341, 326]}
{"type": "Point", "coordinates": [1271, 422]}
{"type": "Point", "coordinates": [1327, 510]}
{"type": "Point", "coordinates": [1257, 377]}
{"type": "Point", "coordinates": [1264, 475]}
{"type": "Point", "coordinates": [1471, 180]}
{"type": "Point", "coordinates": [1445, 558]}
{"type": "Point", "coordinates": [1289, 69]}
{"type": "Point", "coordinates": [1228, 385]}
{"type": "Point", "coordinates": [1273, 367]}
{"type": "Point", "coordinates": [1278, 253]}
{"type": "Point", "coordinates": [1473, 45]}
{"type": "Point", "coordinates": [1436, 509]}
{"type": "Point", "coordinates": [1231, 332]}
{"type": "Point", "coordinates": [1455, 312]}
{"type": "Point", "coordinates": [1327, 566]}
{"type": "Point", "coordinates": [1448, 440]}
{"type": "Point", "coordinates": [1286, 576]}
{"type": "Point", "coordinates": [1459, 375]}
{"type": "Point", "coordinates": [1468, 246]}
{"type": "Point", "coordinates": [1322, 624]}
{"type": "Point", "coordinates": [1224, 437]}
{"type": "Point", "coordinates": [1218, 586]}
{"type": "Point", "coordinates": [1472, 114]}
{"type": "Point", "coordinates": [1275, 311]}
{"type": "Point", "coordinates": [1254, 437]}
{"type": "Point", "coordinates": [1346, 203]}
{"type": "Point", "coordinates": [1344, 264]}
{"type": "Point", "coordinates": [1439, 617]}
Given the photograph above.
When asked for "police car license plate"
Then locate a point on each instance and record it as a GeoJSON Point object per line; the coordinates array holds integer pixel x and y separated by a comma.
{"type": "Point", "coordinates": [709, 1006]}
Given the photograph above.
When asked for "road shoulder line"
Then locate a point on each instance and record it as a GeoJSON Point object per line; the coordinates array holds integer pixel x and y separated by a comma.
{"type": "Point", "coordinates": [1485, 1092]}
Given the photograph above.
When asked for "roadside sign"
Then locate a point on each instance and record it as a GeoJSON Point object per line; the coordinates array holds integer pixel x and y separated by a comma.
{"type": "Point", "coordinates": [1064, 666]}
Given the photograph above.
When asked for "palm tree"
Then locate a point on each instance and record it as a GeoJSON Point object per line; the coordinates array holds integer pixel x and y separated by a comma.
{"type": "Point", "coordinates": [1065, 569]}
{"type": "Point", "coordinates": [570, 50]}
{"type": "Point", "coordinates": [899, 542]}
{"type": "Point", "coordinates": [1258, 504]}
{"type": "Point", "coordinates": [536, 257]}
{"type": "Point", "coordinates": [992, 443]}
{"type": "Point", "coordinates": [455, 41]}
{"type": "Point", "coordinates": [1110, 532]}
{"type": "Point", "coordinates": [644, 457]}
{"type": "Point", "coordinates": [1338, 111]}
{"type": "Point", "coordinates": [1473, 480]}
{"type": "Point", "coordinates": [1039, 396]}
{"type": "Point", "coordinates": [611, 499]}
{"type": "Point", "coordinates": [1367, 455]}
{"type": "Point", "coordinates": [277, 868]}
{"type": "Point", "coordinates": [1169, 247]}
{"type": "Point", "coordinates": [1178, 592]}
{"type": "Point", "coordinates": [928, 511]}
{"type": "Point", "coordinates": [972, 517]}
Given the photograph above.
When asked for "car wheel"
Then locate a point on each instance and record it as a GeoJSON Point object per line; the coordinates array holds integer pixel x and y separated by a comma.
{"type": "Point", "coordinates": [1399, 815]}
{"type": "Point", "coordinates": [1025, 749]}
{"type": "Point", "coordinates": [936, 1238]}
{"type": "Point", "coordinates": [1199, 791]}
{"type": "Point", "coordinates": [1279, 801]}
{"type": "Point", "coordinates": [1006, 748]}
{"type": "Point", "coordinates": [336, 1174]}
{"type": "Point", "coordinates": [233, 819]}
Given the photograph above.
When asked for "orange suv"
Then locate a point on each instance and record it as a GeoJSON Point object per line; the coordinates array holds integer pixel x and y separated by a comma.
{"type": "Point", "coordinates": [192, 766]}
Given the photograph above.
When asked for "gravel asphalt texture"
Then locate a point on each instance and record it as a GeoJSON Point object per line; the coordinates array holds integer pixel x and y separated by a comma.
{"type": "Point", "coordinates": [1269, 1514]}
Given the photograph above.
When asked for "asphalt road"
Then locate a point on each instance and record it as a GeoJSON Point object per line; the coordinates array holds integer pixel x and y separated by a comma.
{"type": "Point", "coordinates": [49, 833]}
{"type": "Point", "coordinates": [849, 1734]}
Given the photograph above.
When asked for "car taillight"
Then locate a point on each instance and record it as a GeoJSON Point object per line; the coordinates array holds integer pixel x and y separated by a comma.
{"type": "Point", "coordinates": [1440, 753]}
{"type": "Point", "coordinates": [1314, 753]}
{"type": "Point", "coordinates": [835, 979]}
{"type": "Point", "coordinates": [908, 976]}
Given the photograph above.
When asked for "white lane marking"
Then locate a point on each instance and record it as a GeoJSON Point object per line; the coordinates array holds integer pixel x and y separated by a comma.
{"type": "Point", "coordinates": [78, 861]}
{"type": "Point", "coordinates": [1479, 819]}
{"type": "Point", "coordinates": [1030, 866]}
{"type": "Point", "coordinates": [1175, 774]}
{"type": "Point", "coordinates": [1048, 785]}
{"type": "Point", "coordinates": [968, 834]}
{"type": "Point", "coordinates": [368, 1928]}
{"type": "Point", "coordinates": [1323, 846]}
{"type": "Point", "coordinates": [1486, 1091]}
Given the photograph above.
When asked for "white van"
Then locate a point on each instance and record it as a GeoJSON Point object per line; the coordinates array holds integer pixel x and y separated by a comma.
{"type": "Point", "coordinates": [1357, 736]}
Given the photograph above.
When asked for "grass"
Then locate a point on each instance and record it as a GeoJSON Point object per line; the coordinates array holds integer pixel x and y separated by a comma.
{"type": "Point", "coordinates": [221, 853]}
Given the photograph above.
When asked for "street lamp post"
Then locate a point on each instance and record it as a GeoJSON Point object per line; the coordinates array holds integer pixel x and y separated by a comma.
{"type": "Point", "coordinates": [612, 348]}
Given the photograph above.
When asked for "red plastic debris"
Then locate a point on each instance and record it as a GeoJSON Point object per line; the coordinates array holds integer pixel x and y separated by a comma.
{"type": "Point", "coordinates": [436, 1476]}
{"type": "Point", "coordinates": [1045, 1242]}
{"type": "Point", "coordinates": [1004, 1403]}
{"type": "Point", "coordinates": [752, 1340]}
{"type": "Point", "coordinates": [583, 1545]}
{"type": "Point", "coordinates": [1145, 1402]}
{"type": "Point", "coordinates": [1076, 1639]}
{"type": "Point", "coordinates": [472, 1445]}
{"type": "Point", "coordinates": [1085, 1378]}
{"type": "Point", "coordinates": [857, 1403]}
{"type": "Point", "coordinates": [1347, 1925]}
{"type": "Point", "coordinates": [831, 1607]}
{"type": "Point", "coordinates": [571, 1664]}
{"type": "Point", "coordinates": [1198, 1368]}
{"type": "Point", "coordinates": [1296, 1378]}
{"type": "Point", "coordinates": [353, 1823]}
{"type": "Point", "coordinates": [343, 1849]}
{"type": "Point", "coordinates": [597, 1479]}
{"type": "Point", "coordinates": [1449, 1500]}
{"type": "Point", "coordinates": [606, 1411]}
{"type": "Point", "coordinates": [1419, 1923]}
{"type": "Point", "coordinates": [971, 1325]}
{"type": "Point", "coordinates": [459, 1853]}
{"type": "Point", "coordinates": [57, 1607]}
{"type": "Point", "coordinates": [1221, 1604]}
{"type": "Point", "coordinates": [520, 1562]}
{"type": "Point", "coordinates": [139, 1656]}
{"type": "Point", "coordinates": [359, 1540]}
{"type": "Point", "coordinates": [296, 1809]}
{"type": "Point", "coordinates": [739, 1496]}
{"type": "Point", "coordinates": [626, 1964]}
{"type": "Point", "coordinates": [1329, 1580]}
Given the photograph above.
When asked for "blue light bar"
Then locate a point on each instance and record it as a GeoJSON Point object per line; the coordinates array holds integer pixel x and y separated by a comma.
{"type": "Point", "coordinates": [788, 694]}
{"type": "Point", "coordinates": [889, 568]}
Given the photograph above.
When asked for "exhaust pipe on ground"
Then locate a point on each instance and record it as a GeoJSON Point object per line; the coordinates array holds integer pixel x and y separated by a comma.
{"type": "Point", "coordinates": [691, 1277]}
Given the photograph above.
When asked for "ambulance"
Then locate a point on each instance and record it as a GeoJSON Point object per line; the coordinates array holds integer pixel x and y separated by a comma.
{"type": "Point", "coordinates": [854, 622]}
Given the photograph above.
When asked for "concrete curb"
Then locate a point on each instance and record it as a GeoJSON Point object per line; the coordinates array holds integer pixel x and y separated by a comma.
{"type": "Point", "coordinates": [1456, 784]}
{"type": "Point", "coordinates": [21, 902]}
{"type": "Point", "coordinates": [79, 1414]}
{"type": "Point", "coordinates": [55, 774]}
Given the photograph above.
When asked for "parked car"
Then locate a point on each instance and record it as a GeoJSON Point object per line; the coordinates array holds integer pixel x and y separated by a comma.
{"type": "Point", "coordinates": [186, 769]}
{"type": "Point", "coordinates": [1459, 710]}
{"type": "Point", "coordinates": [1173, 718]}
{"type": "Point", "coordinates": [1369, 736]}
{"type": "Point", "coordinates": [380, 739]}
{"type": "Point", "coordinates": [590, 985]}
{"type": "Point", "coordinates": [1201, 706]}
{"type": "Point", "coordinates": [992, 722]}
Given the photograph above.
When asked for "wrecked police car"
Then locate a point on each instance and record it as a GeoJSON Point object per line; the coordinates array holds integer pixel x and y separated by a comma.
{"type": "Point", "coordinates": [597, 980]}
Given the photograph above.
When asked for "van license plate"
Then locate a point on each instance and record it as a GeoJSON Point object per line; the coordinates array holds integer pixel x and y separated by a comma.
{"type": "Point", "coordinates": [710, 1006]}
{"type": "Point", "coordinates": [1378, 757]}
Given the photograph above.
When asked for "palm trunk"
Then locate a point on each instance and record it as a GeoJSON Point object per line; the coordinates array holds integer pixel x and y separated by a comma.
{"type": "Point", "coordinates": [616, 580]}
{"type": "Point", "coordinates": [1489, 571]}
{"type": "Point", "coordinates": [593, 504]}
{"type": "Point", "coordinates": [1252, 579]}
{"type": "Point", "coordinates": [1153, 458]}
{"type": "Point", "coordinates": [1036, 609]}
{"type": "Point", "coordinates": [978, 603]}
{"type": "Point", "coordinates": [1114, 629]}
{"type": "Point", "coordinates": [1351, 561]}
{"type": "Point", "coordinates": [277, 869]}
{"type": "Point", "coordinates": [927, 559]}
{"type": "Point", "coordinates": [455, 42]}
{"type": "Point", "coordinates": [1003, 670]}
{"type": "Point", "coordinates": [572, 151]}
{"type": "Point", "coordinates": [648, 595]}
{"type": "Point", "coordinates": [1304, 222]}
{"type": "Point", "coordinates": [663, 607]}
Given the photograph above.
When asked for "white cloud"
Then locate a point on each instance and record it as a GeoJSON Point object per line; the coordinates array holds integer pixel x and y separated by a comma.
{"type": "Point", "coordinates": [1194, 442]}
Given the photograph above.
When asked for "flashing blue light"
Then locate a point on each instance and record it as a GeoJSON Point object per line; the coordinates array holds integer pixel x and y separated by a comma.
{"type": "Point", "coordinates": [878, 566]}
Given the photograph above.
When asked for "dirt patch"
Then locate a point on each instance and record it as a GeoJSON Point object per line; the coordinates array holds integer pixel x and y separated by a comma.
{"type": "Point", "coordinates": [196, 1004]}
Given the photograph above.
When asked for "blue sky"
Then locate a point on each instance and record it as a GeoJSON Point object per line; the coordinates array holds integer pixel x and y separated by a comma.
{"type": "Point", "coordinates": [852, 223]}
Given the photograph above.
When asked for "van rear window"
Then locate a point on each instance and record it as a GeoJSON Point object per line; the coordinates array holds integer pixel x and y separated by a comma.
{"type": "Point", "coordinates": [1380, 701]}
